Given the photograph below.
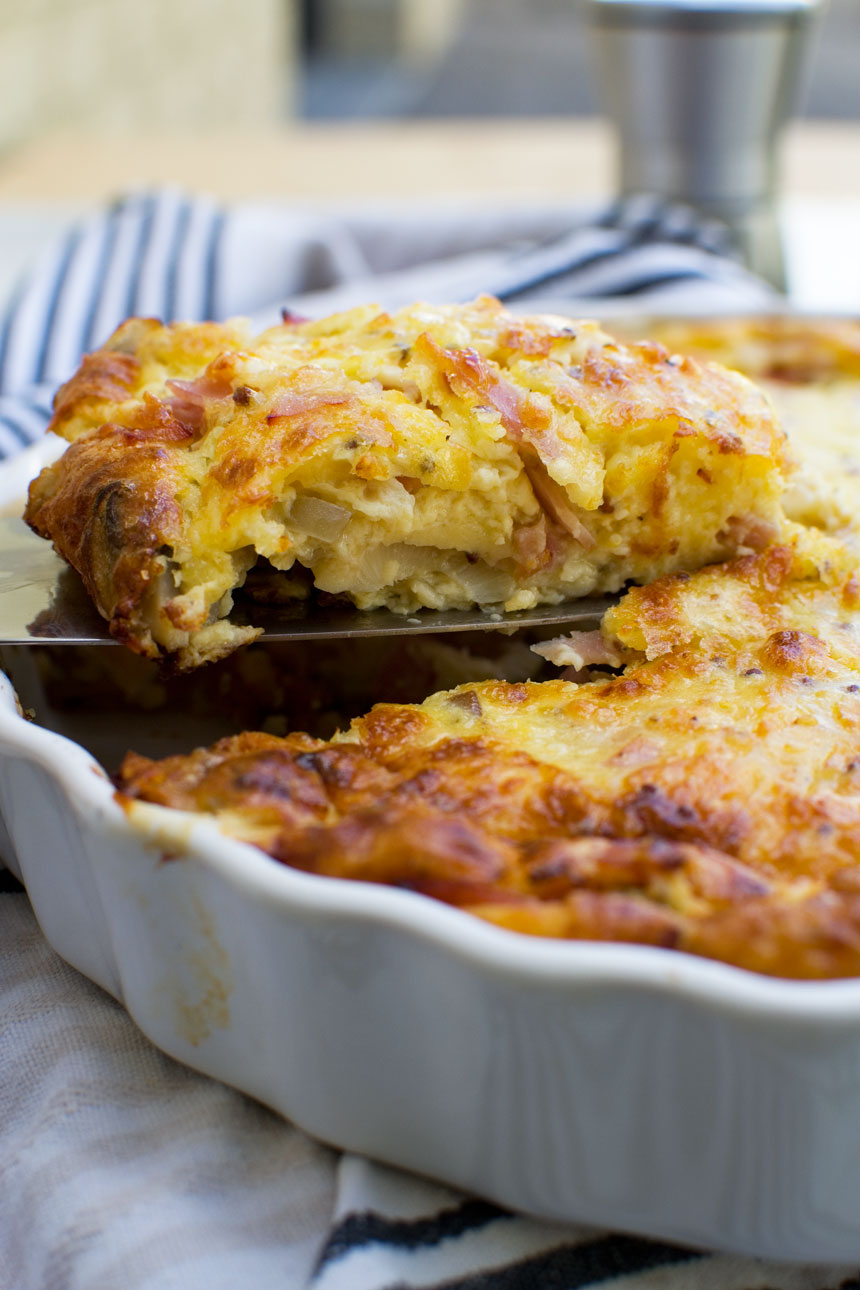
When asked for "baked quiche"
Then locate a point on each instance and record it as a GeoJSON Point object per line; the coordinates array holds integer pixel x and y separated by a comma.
{"type": "Point", "coordinates": [439, 457]}
{"type": "Point", "coordinates": [704, 797]}
{"type": "Point", "coordinates": [810, 369]}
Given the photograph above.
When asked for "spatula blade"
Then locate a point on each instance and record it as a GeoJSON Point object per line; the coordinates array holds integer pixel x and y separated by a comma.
{"type": "Point", "coordinates": [43, 601]}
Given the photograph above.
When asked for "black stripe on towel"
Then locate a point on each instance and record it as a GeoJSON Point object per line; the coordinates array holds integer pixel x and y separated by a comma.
{"type": "Point", "coordinates": [649, 228]}
{"type": "Point", "coordinates": [368, 1228]}
{"type": "Point", "coordinates": [617, 213]}
{"type": "Point", "coordinates": [71, 245]}
{"type": "Point", "coordinates": [26, 416]}
{"type": "Point", "coordinates": [561, 270]}
{"type": "Point", "coordinates": [18, 429]}
{"type": "Point", "coordinates": [615, 285]}
{"type": "Point", "coordinates": [36, 400]}
{"type": "Point", "coordinates": [570, 1267]}
{"type": "Point", "coordinates": [210, 298]}
{"type": "Point", "coordinates": [6, 332]}
{"type": "Point", "coordinates": [147, 219]}
{"type": "Point", "coordinates": [175, 255]}
{"type": "Point", "coordinates": [102, 275]}
{"type": "Point", "coordinates": [635, 211]}
{"type": "Point", "coordinates": [647, 218]}
{"type": "Point", "coordinates": [655, 280]}
{"type": "Point", "coordinates": [710, 240]}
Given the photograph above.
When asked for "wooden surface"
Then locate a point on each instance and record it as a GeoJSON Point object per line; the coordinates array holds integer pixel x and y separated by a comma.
{"type": "Point", "coordinates": [523, 158]}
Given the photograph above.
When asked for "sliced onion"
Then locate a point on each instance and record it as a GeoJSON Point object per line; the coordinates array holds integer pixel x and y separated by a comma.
{"type": "Point", "coordinates": [485, 585]}
{"type": "Point", "coordinates": [318, 518]}
{"type": "Point", "coordinates": [384, 566]}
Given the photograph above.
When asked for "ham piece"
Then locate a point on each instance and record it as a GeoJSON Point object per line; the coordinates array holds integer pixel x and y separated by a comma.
{"type": "Point", "coordinates": [579, 650]}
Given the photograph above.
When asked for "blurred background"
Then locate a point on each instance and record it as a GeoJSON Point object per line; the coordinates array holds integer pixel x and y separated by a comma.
{"type": "Point", "coordinates": [107, 65]}
{"type": "Point", "coordinates": [377, 58]}
{"type": "Point", "coordinates": [362, 100]}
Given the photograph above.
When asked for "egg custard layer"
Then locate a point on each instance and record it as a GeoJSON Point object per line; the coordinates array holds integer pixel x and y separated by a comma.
{"type": "Point", "coordinates": [705, 798]}
{"type": "Point", "coordinates": [438, 457]}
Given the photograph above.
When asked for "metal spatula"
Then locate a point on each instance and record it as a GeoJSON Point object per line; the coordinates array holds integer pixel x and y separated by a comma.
{"type": "Point", "coordinates": [43, 600]}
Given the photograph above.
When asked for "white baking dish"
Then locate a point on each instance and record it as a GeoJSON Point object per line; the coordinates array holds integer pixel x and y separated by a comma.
{"type": "Point", "coordinates": [616, 1085]}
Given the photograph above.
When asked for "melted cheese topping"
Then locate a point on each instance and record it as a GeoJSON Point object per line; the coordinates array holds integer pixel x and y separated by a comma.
{"type": "Point", "coordinates": [810, 369]}
{"type": "Point", "coordinates": [707, 798]}
{"type": "Point", "coordinates": [439, 457]}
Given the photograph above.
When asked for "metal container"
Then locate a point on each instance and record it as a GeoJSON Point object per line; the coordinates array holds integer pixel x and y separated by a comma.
{"type": "Point", "coordinates": [700, 91]}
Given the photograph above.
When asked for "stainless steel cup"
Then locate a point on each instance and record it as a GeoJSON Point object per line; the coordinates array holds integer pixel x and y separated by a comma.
{"type": "Point", "coordinates": [700, 91]}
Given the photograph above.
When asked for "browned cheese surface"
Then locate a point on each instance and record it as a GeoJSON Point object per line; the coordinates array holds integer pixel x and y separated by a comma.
{"type": "Point", "coordinates": [810, 369]}
{"type": "Point", "coordinates": [707, 798]}
{"type": "Point", "coordinates": [437, 457]}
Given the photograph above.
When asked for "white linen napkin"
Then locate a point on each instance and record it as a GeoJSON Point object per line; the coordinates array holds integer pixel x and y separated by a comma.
{"type": "Point", "coordinates": [122, 1170]}
{"type": "Point", "coordinates": [118, 1168]}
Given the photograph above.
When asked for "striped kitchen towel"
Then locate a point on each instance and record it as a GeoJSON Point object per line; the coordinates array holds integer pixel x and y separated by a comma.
{"type": "Point", "coordinates": [395, 1232]}
{"type": "Point", "coordinates": [168, 255]}
{"type": "Point", "coordinates": [121, 1170]}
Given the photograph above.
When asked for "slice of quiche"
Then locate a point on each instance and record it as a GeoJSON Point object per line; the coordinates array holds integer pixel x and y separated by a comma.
{"type": "Point", "coordinates": [436, 457]}
{"type": "Point", "coordinates": [706, 798]}
{"type": "Point", "coordinates": [810, 369]}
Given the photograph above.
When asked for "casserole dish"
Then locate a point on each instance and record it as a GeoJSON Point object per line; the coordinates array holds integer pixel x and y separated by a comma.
{"type": "Point", "coordinates": [611, 1084]}
{"type": "Point", "coordinates": [617, 1085]}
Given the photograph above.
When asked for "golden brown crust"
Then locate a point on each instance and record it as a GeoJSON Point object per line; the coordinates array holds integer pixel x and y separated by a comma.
{"type": "Point", "coordinates": [706, 799]}
{"type": "Point", "coordinates": [437, 457]}
{"type": "Point", "coordinates": [112, 515]}
{"type": "Point", "coordinates": [810, 368]}
{"type": "Point", "coordinates": [104, 378]}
